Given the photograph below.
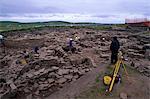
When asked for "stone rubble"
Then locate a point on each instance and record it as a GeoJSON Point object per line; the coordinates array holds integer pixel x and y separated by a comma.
{"type": "Point", "coordinates": [49, 70]}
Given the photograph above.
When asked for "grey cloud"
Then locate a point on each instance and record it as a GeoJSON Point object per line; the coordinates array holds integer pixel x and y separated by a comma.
{"type": "Point", "coordinates": [98, 9]}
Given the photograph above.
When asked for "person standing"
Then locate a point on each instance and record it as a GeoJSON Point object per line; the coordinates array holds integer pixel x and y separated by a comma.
{"type": "Point", "coordinates": [70, 43]}
{"type": "Point", "coordinates": [114, 47]}
{"type": "Point", "coordinates": [2, 40]}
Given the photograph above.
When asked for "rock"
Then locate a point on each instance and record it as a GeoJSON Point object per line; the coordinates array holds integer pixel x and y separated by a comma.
{"type": "Point", "coordinates": [148, 67]}
{"type": "Point", "coordinates": [104, 56]}
{"type": "Point", "coordinates": [35, 85]}
{"type": "Point", "coordinates": [50, 80]}
{"type": "Point", "coordinates": [140, 69]}
{"type": "Point", "coordinates": [55, 68]}
{"type": "Point", "coordinates": [68, 76]}
{"type": "Point", "coordinates": [39, 71]}
{"type": "Point", "coordinates": [87, 70]}
{"type": "Point", "coordinates": [13, 86]}
{"type": "Point", "coordinates": [58, 52]}
{"type": "Point", "coordinates": [123, 41]}
{"type": "Point", "coordinates": [26, 90]}
{"type": "Point", "coordinates": [104, 50]}
{"type": "Point", "coordinates": [42, 79]}
{"type": "Point", "coordinates": [123, 96]}
{"type": "Point", "coordinates": [132, 50]}
{"type": "Point", "coordinates": [43, 87]}
{"type": "Point", "coordinates": [53, 61]}
{"type": "Point", "coordinates": [135, 65]}
{"type": "Point", "coordinates": [37, 93]}
{"type": "Point", "coordinates": [9, 81]}
{"type": "Point", "coordinates": [52, 75]}
{"type": "Point", "coordinates": [63, 71]}
{"type": "Point", "coordinates": [48, 70]}
{"type": "Point", "coordinates": [75, 70]}
{"type": "Point", "coordinates": [62, 80]}
{"type": "Point", "coordinates": [136, 47]}
{"type": "Point", "coordinates": [81, 72]}
{"type": "Point", "coordinates": [76, 76]}
{"type": "Point", "coordinates": [135, 55]}
{"type": "Point", "coordinates": [36, 55]}
{"type": "Point", "coordinates": [45, 82]}
{"type": "Point", "coordinates": [30, 75]}
{"type": "Point", "coordinates": [49, 51]}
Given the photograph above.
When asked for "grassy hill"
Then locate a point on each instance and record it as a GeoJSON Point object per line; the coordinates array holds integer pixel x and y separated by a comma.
{"type": "Point", "coordinates": [9, 25]}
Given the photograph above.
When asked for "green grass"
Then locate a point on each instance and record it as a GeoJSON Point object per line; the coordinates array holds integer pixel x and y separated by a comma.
{"type": "Point", "coordinates": [8, 25]}
{"type": "Point", "coordinates": [14, 26]}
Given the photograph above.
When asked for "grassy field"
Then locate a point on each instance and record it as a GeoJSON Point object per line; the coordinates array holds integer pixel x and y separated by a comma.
{"type": "Point", "coordinates": [9, 25]}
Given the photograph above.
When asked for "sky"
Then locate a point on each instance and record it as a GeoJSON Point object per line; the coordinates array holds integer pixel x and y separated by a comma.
{"type": "Point", "coordinates": [99, 11]}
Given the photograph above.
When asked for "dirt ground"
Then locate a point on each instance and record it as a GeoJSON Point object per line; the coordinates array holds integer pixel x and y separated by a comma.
{"type": "Point", "coordinates": [56, 74]}
{"type": "Point", "coordinates": [136, 86]}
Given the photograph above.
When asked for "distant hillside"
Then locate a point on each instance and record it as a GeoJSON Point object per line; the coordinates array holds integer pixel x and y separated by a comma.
{"type": "Point", "coordinates": [10, 25]}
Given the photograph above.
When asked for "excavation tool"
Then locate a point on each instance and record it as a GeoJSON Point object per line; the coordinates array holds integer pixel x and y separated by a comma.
{"type": "Point", "coordinates": [116, 70]}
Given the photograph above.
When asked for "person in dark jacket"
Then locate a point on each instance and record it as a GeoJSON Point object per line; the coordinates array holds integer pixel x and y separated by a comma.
{"type": "Point", "coordinates": [114, 47]}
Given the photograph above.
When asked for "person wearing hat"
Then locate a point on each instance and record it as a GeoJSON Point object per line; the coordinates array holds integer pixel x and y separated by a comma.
{"type": "Point", "coordinates": [114, 47]}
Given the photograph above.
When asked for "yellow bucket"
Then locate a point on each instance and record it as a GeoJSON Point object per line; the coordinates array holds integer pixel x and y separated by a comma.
{"type": "Point", "coordinates": [107, 80]}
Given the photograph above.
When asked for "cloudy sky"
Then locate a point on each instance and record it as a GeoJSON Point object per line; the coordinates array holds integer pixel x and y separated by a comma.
{"type": "Point", "coordinates": [99, 11]}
